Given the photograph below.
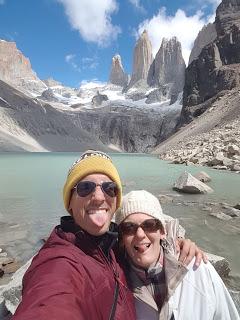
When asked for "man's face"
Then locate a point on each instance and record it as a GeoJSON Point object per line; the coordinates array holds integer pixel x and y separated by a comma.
{"type": "Point", "coordinates": [94, 212]}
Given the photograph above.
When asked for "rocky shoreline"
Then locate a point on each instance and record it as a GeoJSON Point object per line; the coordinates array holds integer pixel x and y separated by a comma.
{"type": "Point", "coordinates": [218, 148]}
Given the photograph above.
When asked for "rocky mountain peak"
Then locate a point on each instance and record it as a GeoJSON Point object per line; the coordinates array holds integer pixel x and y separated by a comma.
{"type": "Point", "coordinates": [218, 65]}
{"type": "Point", "coordinates": [16, 69]}
{"type": "Point", "coordinates": [52, 83]}
{"type": "Point", "coordinates": [168, 66]}
{"type": "Point", "coordinates": [205, 36]}
{"type": "Point", "coordinates": [227, 15]}
{"type": "Point", "coordinates": [117, 74]}
{"type": "Point", "coordinates": [142, 59]}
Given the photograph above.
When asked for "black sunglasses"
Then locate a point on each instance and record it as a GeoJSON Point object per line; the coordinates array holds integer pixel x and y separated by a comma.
{"type": "Point", "coordinates": [148, 226]}
{"type": "Point", "coordinates": [84, 188]}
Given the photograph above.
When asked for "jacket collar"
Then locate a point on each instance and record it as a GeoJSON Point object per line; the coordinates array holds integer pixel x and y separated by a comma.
{"type": "Point", "coordinates": [174, 274]}
{"type": "Point", "coordinates": [106, 241]}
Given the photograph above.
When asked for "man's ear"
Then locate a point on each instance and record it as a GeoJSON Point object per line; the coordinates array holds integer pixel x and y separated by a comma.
{"type": "Point", "coordinates": [70, 205]}
{"type": "Point", "coordinates": [70, 209]}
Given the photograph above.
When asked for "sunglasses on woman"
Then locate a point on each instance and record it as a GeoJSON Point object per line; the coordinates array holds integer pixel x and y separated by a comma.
{"type": "Point", "coordinates": [84, 188]}
{"type": "Point", "coordinates": [148, 226]}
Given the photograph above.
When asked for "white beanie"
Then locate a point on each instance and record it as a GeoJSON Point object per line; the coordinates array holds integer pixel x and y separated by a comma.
{"type": "Point", "coordinates": [140, 201]}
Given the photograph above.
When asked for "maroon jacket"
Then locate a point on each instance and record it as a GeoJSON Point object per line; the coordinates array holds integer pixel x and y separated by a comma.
{"type": "Point", "coordinates": [73, 277]}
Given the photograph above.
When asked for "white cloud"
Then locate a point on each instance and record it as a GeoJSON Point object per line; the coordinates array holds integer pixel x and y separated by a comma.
{"type": "Point", "coordinates": [208, 5]}
{"type": "Point", "coordinates": [84, 63]}
{"type": "Point", "coordinates": [184, 27]}
{"type": "Point", "coordinates": [70, 59]}
{"type": "Point", "coordinates": [137, 5]}
{"type": "Point", "coordinates": [92, 19]}
{"type": "Point", "coordinates": [214, 2]}
{"type": "Point", "coordinates": [90, 63]}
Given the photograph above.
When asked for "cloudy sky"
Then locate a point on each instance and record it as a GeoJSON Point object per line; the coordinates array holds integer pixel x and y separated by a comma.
{"type": "Point", "coordinates": [73, 41]}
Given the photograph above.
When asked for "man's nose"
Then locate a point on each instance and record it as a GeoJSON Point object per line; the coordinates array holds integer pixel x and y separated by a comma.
{"type": "Point", "coordinates": [98, 194]}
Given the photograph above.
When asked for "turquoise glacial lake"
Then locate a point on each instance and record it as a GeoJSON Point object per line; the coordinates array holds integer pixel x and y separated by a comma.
{"type": "Point", "coordinates": [31, 200]}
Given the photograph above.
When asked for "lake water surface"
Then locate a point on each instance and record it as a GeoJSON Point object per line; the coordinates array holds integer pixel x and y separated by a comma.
{"type": "Point", "coordinates": [31, 200]}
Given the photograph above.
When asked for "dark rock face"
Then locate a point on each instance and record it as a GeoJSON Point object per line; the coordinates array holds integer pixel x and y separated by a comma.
{"type": "Point", "coordinates": [51, 128]}
{"type": "Point", "coordinates": [128, 128]}
{"type": "Point", "coordinates": [168, 67]}
{"type": "Point", "coordinates": [205, 36]}
{"type": "Point", "coordinates": [48, 95]}
{"type": "Point", "coordinates": [160, 94]}
{"type": "Point", "coordinates": [117, 123]}
{"type": "Point", "coordinates": [217, 66]}
{"type": "Point", "coordinates": [227, 15]}
{"type": "Point", "coordinates": [98, 99]}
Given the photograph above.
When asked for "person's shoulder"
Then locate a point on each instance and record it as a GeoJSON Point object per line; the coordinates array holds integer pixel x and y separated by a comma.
{"type": "Point", "coordinates": [59, 246]}
{"type": "Point", "coordinates": [205, 272]}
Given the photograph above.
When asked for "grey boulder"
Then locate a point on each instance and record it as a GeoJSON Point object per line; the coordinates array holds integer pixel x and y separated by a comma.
{"type": "Point", "coordinates": [188, 184]}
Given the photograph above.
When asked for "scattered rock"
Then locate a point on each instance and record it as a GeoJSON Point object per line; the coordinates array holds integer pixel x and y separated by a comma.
{"type": "Point", "coordinates": [208, 149]}
{"type": "Point", "coordinates": [11, 267]}
{"type": "Point", "coordinates": [217, 160]}
{"type": "Point", "coordinates": [220, 264]}
{"type": "Point", "coordinates": [10, 294]}
{"type": "Point", "coordinates": [233, 149]}
{"type": "Point", "coordinates": [220, 167]}
{"type": "Point", "coordinates": [220, 215]}
{"type": "Point", "coordinates": [164, 198]}
{"type": "Point", "coordinates": [232, 212]}
{"type": "Point", "coordinates": [235, 167]}
{"type": "Point", "coordinates": [5, 260]}
{"type": "Point", "coordinates": [237, 206]}
{"type": "Point", "coordinates": [202, 176]}
{"type": "Point", "coordinates": [236, 298]}
{"type": "Point", "coordinates": [188, 184]}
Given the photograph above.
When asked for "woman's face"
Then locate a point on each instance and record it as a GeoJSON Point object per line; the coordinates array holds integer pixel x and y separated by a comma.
{"type": "Point", "coordinates": [143, 247]}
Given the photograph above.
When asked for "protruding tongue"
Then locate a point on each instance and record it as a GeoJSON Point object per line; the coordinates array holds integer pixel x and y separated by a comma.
{"type": "Point", "coordinates": [142, 248]}
{"type": "Point", "coordinates": [99, 218]}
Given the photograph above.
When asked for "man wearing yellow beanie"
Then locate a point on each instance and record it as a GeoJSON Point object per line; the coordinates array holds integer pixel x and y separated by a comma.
{"type": "Point", "coordinates": [75, 275]}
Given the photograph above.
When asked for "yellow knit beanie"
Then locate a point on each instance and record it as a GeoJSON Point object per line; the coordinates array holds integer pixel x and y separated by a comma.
{"type": "Point", "coordinates": [91, 162]}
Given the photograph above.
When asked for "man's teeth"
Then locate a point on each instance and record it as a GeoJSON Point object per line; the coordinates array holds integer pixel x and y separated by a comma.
{"type": "Point", "coordinates": [97, 211]}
